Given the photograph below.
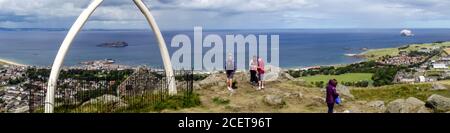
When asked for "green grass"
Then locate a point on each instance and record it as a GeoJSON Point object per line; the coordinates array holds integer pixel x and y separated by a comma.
{"type": "Point", "coordinates": [139, 104]}
{"type": "Point", "coordinates": [220, 101]}
{"type": "Point", "coordinates": [374, 54]}
{"type": "Point", "coordinates": [136, 104]}
{"type": "Point", "coordinates": [348, 77]}
{"type": "Point", "coordinates": [377, 53]}
{"type": "Point", "coordinates": [400, 91]}
{"type": "Point", "coordinates": [433, 73]}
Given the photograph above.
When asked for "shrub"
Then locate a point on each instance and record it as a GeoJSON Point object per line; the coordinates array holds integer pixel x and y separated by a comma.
{"type": "Point", "coordinates": [319, 84]}
{"type": "Point", "coordinates": [177, 102]}
{"type": "Point", "coordinates": [220, 101]}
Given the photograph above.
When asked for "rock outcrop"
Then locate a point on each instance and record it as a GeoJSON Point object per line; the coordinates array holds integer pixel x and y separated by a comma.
{"type": "Point", "coordinates": [23, 109]}
{"type": "Point", "coordinates": [108, 100]}
{"type": "Point", "coordinates": [438, 103]}
{"type": "Point", "coordinates": [216, 79]}
{"type": "Point", "coordinates": [344, 92]}
{"type": "Point", "coordinates": [273, 73]}
{"type": "Point", "coordinates": [274, 100]}
{"type": "Point", "coordinates": [377, 105]}
{"type": "Point", "coordinates": [410, 105]}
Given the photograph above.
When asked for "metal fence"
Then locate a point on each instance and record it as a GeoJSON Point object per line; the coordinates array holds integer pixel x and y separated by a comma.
{"type": "Point", "coordinates": [84, 91]}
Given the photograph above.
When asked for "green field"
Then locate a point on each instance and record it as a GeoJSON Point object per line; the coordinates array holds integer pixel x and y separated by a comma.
{"type": "Point", "coordinates": [377, 53]}
{"type": "Point", "coordinates": [349, 77]}
{"type": "Point", "coordinates": [392, 92]}
{"type": "Point", "coordinates": [374, 54]}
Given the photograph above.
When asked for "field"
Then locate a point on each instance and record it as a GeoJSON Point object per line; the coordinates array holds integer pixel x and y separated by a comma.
{"type": "Point", "coordinates": [392, 92]}
{"type": "Point", "coordinates": [349, 77]}
{"type": "Point", "coordinates": [377, 53]}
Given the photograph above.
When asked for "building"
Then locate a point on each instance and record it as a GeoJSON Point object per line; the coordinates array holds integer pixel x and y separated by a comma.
{"type": "Point", "coordinates": [422, 79]}
{"type": "Point", "coordinates": [440, 66]}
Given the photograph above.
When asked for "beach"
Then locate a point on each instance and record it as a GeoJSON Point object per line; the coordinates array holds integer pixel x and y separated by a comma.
{"type": "Point", "coordinates": [8, 62]}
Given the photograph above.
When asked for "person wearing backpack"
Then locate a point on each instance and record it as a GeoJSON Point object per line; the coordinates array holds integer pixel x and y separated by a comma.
{"type": "Point", "coordinates": [331, 94]}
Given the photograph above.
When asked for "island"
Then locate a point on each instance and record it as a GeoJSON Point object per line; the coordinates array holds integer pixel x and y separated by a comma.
{"type": "Point", "coordinates": [117, 44]}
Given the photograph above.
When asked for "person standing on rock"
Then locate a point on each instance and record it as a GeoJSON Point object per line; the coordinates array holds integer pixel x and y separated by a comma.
{"type": "Point", "coordinates": [253, 70]}
{"type": "Point", "coordinates": [331, 94]}
{"type": "Point", "coordinates": [261, 71]}
{"type": "Point", "coordinates": [230, 69]}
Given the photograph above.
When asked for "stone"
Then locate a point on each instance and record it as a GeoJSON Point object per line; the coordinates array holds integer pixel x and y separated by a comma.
{"type": "Point", "coordinates": [319, 99]}
{"type": "Point", "coordinates": [234, 108]}
{"type": "Point", "coordinates": [361, 102]}
{"type": "Point", "coordinates": [410, 105]}
{"type": "Point", "coordinates": [438, 86]}
{"type": "Point", "coordinates": [395, 106]}
{"type": "Point", "coordinates": [438, 103]}
{"type": "Point", "coordinates": [424, 110]}
{"type": "Point", "coordinates": [344, 92]}
{"type": "Point", "coordinates": [272, 73]}
{"type": "Point", "coordinates": [23, 109]}
{"type": "Point", "coordinates": [213, 80]}
{"type": "Point", "coordinates": [287, 76]}
{"type": "Point", "coordinates": [104, 99]}
{"type": "Point", "coordinates": [274, 100]}
{"type": "Point", "coordinates": [299, 95]}
{"type": "Point", "coordinates": [316, 101]}
{"type": "Point", "coordinates": [379, 105]}
{"type": "Point", "coordinates": [109, 100]}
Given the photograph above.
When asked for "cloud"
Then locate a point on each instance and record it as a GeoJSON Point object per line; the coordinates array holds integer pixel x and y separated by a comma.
{"type": "Point", "coordinates": [184, 14]}
{"type": "Point", "coordinates": [244, 6]}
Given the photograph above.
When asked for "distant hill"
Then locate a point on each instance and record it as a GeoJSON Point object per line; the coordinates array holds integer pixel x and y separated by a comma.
{"type": "Point", "coordinates": [62, 29]}
{"type": "Point", "coordinates": [32, 29]}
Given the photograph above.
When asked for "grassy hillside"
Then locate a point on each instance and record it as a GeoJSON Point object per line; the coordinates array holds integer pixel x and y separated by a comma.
{"type": "Point", "coordinates": [400, 91]}
{"type": "Point", "coordinates": [349, 77]}
{"type": "Point", "coordinates": [374, 54]}
{"type": "Point", "coordinates": [298, 96]}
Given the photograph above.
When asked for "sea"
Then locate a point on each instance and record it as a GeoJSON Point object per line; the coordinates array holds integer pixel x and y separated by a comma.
{"type": "Point", "coordinates": [297, 47]}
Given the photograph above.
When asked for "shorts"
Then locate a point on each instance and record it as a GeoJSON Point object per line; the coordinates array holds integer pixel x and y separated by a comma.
{"type": "Point", "coordinates": [230, 74]}
{"type": "Point", "coordinates": [261, 76]}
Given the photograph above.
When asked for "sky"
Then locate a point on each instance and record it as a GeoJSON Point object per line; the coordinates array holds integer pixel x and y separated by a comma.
{"type": "Point", "coordinates": [231, 14]}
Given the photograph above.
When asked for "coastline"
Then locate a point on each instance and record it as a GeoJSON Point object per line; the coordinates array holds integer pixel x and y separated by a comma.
{"type": "Point", "coordinates": [363, 55]}
{"type": "Point", "coordinates": [8, 62]}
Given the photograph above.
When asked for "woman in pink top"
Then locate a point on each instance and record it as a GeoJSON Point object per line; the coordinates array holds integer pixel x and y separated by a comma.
{"type": "Point", "coordinates": [261, 73]}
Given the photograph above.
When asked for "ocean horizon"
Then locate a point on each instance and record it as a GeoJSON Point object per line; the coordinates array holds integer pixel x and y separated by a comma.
{"type": "Point", "coordinates": [298, 47]}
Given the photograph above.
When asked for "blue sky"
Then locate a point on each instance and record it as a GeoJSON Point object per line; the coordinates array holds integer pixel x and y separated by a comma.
{"type": "Point", "coordinates": [231, 14]}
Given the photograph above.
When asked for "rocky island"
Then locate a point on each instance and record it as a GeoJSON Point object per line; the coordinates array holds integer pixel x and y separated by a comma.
{"type": "Point", "coordinates": [117, 44]}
